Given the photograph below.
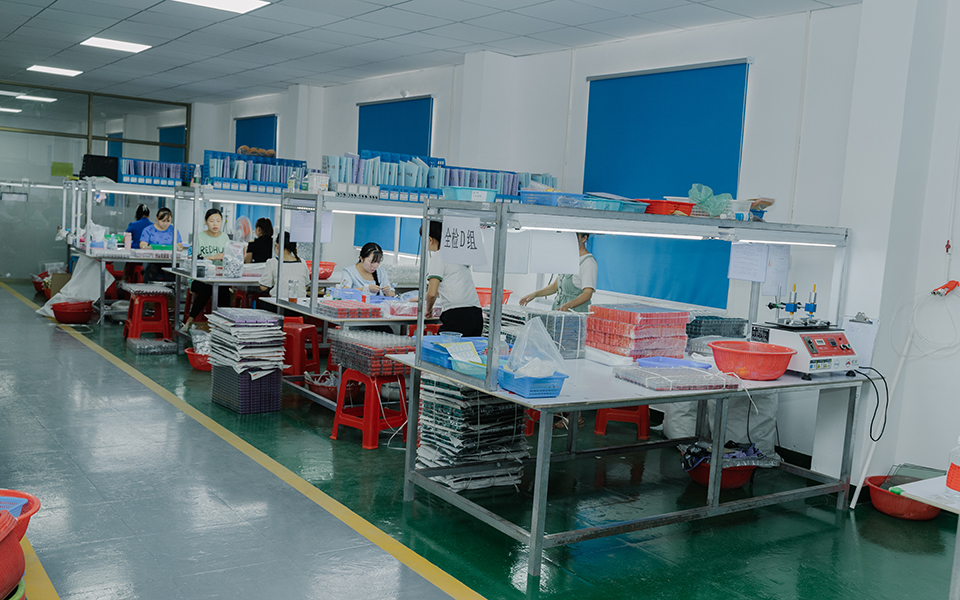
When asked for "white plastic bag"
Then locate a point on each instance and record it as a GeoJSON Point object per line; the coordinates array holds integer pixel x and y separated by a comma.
{"type": "Point", "coordinates": [534, 353]}
{"type": "Point", "coordinates": [233, 259]}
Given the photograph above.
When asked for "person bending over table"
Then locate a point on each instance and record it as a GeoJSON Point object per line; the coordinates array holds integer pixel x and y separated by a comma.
{"type": "Point", "coordinates": [574, 292]}
{"type": "Point", "coordinates": [367, 275]}
{"type": "Point", "coordinates": [260, 249]}
{"type": "Point", "coordinates": [160, 233]}
{"type": "Point", "coordinates": [210, 246]}
{"type": "Point", "coordinates": [453, 285]}
{"type": "Point", "coordinates": [294, 269]}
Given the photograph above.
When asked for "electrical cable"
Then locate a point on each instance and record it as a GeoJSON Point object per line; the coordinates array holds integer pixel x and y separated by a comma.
{"type": "Point", "coordinates": [886, 407]}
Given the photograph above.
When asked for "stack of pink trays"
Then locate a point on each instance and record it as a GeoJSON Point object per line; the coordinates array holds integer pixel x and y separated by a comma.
{"type": "Point", "coordinates": [637, 330]}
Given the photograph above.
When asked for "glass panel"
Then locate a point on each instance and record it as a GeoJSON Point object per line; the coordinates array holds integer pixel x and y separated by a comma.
{"type": "Point", "coordinates": [66, 114]}
{"type": "Point", "coordinates": [135, 119]}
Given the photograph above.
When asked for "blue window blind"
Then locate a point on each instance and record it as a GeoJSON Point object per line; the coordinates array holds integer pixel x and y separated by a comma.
{"type": "Point", "coordinates": [404, 127]}
{"type": "Point", "coordinates": [115, 149]}
{"type": "Point", "coordinates": [255, 132]}
{"type": "Point", "coordinates": [655, 135]}
{"type": "Point", "coordinates": [172, 135]}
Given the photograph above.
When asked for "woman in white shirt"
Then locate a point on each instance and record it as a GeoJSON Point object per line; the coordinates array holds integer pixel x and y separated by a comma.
{"type": "Point", "coordinates": [294, 269]}
{"type": "Point", "coordinates": [367, 275]}
{"type": "Point", "coordinates": [574, 292]}
{"type": "Point", "coordinates": [453, 285]}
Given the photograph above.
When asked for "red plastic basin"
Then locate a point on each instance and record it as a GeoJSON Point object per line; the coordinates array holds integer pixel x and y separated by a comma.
{"type": "Point", "coordinates": [28, 510]}
{"type": "Point", "coordinates": [73, 313]}
{"type": "Point", "coordinates": [324, 269]}
{"type": "Point", "coordinates": [897, 506]}
{"type": "Point", "coordinates": [485, 295]}
{"type": "Point", "coordinates": [731, 478]}
{"type": "Point", "coordinates": [755, 361]}
{"type": "Point", "coordinates": [38, 285]}
{"type": "Point", "coordinates": [200, 362]}
{"type": "Point", "coordinates": [11, 555]}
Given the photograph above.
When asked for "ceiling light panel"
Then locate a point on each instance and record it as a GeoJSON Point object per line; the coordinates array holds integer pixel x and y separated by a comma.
{"type": "Point", "coordinates": [54, 71]}
{"type": "Point", "coordinates": [236, 6]}
{"type": "Point", "coordinates": [109, 44]}
{"type": "Point", "coordinates": [9, 110]}
{"type": "Point", "coordinates": [36, 98]}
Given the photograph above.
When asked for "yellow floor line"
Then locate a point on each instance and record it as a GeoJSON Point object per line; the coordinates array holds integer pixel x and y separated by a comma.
{"type": "Point", "coordinates": [408, 557]}
{"type": "Point", "coordinates": [39, 586]}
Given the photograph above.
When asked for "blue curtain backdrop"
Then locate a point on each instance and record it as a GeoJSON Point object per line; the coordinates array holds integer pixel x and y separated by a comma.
{"type": "Point", "coordinates": [256, 132]}
{"type": "Point", "coordinates": [650, 136]}
{"type": "Point", "coordinates": [403, 127]}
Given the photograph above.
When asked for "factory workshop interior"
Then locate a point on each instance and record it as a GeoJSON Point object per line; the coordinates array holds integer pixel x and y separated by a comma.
{"type": "Point", "coordinates": [836, 121]}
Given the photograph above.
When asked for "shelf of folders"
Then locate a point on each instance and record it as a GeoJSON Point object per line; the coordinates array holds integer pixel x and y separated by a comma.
{"type": "Point", "coordinates": [153, 172]}
{"type": "Point", "coordinates": [246, 173]}
{"type": "Point", "coordinates": [411, 178]}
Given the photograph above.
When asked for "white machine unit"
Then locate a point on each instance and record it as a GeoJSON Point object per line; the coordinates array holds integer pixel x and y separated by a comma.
{"type": "Point", "coordinates": [819, 350]}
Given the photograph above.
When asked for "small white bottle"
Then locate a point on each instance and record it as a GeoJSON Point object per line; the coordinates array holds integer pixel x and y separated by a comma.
{"type": "Point", "coordinates": [953, 474]}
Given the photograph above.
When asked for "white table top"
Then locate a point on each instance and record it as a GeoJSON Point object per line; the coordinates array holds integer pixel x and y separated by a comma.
{"type": "Point", "coordinates": [219, 280]}
{"type": "Point", "coordinates": [590, 384]}
{"type": "Point", "coordinates": [119, 255]}
{"type": "Point", "coordinates": [929, 491]}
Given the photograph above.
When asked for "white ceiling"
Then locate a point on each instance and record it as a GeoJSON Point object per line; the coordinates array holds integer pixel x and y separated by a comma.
{"type": "Point", "coordinates": [206, 55]}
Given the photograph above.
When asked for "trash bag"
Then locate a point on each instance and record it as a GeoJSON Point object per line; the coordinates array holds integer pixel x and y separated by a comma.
{"type": "Point", "coordinates": [534, 353]}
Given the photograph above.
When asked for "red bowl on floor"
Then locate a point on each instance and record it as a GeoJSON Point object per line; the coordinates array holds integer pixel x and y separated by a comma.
{"type": "Point", "coordinates": [731, 478]}
{"type": "Point", "coordinates": [46, 292]}
{"type": "Point", "coordinates": [38, 285]}
{"type": "Point", "coordinates": [11, 555]}
{"type": "Point", "coordinates": [200, 362]}
{"type": "Point", "coordinates": [29, 509]}
{"type": "Point", "coordinates": [897, 506]}
{"type": "Point", "coordinates": [755, 361]}
{"type": "Point", "coordinates": [73, 313]}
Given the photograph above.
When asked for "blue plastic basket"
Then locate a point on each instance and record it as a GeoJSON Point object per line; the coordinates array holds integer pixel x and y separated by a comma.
{"type": "Point", "coordinates": [12, 504]}
{"type": "Point", "coordinates": [550, 198]}
{"type": "Point", "coordinates": [531, 387]}
{"type": "Point", "coordinates": [438, 355]}
{"type": "Point", "coordinates": [634, 206]}
{"type": "Point", "coordinates": [665, 362]}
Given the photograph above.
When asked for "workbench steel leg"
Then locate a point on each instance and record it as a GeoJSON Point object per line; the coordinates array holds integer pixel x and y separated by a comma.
{"type": "Point", "coordinates": [103, 291]}
{"type": "Point", "coordinates": [955, 575]}
{"type": "Point", "coordinates": [573, 426]}
{"type": "Point", "coordinates": [177, 320]}
{"type": "Point", "coordinates": [716, 457]}
{"type": "Point", "coordinates": [413, 417]}
{"type": "Point", "coordinates": [846, 459]}
{"type": "Point", "coordinates": [540, 486]}
{"type": "Point", "coordinates": [701, 431]}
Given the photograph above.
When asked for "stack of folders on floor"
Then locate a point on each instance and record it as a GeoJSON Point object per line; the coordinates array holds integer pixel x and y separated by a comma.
{"type": "Point", "coordinates": [246, 351]}
{"type": "Point", "coordinates": [459, 425]}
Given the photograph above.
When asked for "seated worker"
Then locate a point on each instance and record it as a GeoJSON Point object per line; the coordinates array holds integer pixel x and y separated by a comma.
{"type": "Point", "coordinates": [294, 269]}
{"type": "Point", "coordinates": [260, 249]}
{"type": "Point", "coordinates": [367, 275]}
{"type": "Point", "coordinates": [453, 285]}
{"type": "Point", "coordinates": [161, 234]}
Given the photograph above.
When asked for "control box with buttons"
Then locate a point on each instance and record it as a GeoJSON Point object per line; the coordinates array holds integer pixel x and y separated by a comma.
{"type": "Point", "coordinates": [818, 351]}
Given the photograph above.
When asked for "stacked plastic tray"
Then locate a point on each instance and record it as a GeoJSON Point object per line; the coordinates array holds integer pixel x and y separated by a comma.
{"type": "Point", "coordinates": [460, 426]}
{"type": "Point", "coordinates": [348, 309]}
{"type": "Point", "coordinates": [637, 330]}
{"type": "Point", "coordinates": [715, 325]}
{"type": "Point", "coordinates": [568, 329]}
{"type": "Point", "coordinates": [241, 393]}
{"type": "Point", "coordinates": [677, 379]}
{"type": "Point", "coordinates": [366, 352]}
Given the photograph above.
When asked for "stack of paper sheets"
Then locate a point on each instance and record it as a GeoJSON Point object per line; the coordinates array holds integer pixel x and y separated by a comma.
{"type": "Point", "coordinates": [459, 426]}
{"type": "Point", "coordinates": [246, 339]}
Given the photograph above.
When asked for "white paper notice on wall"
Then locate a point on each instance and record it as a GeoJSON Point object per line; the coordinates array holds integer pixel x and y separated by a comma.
{"type": "Point", "coordinates": [326, 227]}
{"type": "Point", "coordinates": [462, 241]}
{"type": "Point", "coordinates": [748, 262]}
{"type": "Point", "coordinates": [518, 252]}
{"type": "Point", "coordinates": [778, 265]}
{"type": "Point", "coordinates": [554, 252]}
{"type": "Point", "coordinates": [301, 226]}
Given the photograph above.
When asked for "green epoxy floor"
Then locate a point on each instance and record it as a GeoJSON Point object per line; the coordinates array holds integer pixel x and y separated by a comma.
{"type": "Point", "coordinates": [804, 549]}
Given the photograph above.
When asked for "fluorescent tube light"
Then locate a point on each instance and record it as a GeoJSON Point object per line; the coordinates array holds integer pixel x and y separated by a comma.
{"type": "Point", "coordinates": [787, 243]}
{"type": "Point", "coordinates": [6, 93]}
{"type": "Point", "coordinates": [36, 98]}
{"type": "Point", "coordinates": [10, 110]}
{"type": "Point", "coordinates": [97, 42]}
{"type": "Point", "coordinates": [54, 71]}
{"type": "Point", "coordinates": [236, 6]}
{"type": "Point", "coordinates": [376, 214]}
{"type": "Point", "coordinates": [630, 233]}
{"type": "Point", "coordinates": [128, 192]}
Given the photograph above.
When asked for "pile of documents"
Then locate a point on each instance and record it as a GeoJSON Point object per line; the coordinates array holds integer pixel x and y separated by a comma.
{"type": "Point", "coordinates": [246, 340]}
{"type": "Point", "coordinates": [460, 426]}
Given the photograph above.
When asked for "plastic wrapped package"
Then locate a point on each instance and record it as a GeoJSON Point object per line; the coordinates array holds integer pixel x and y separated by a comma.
{"type": "Point", "coordinates": [151, 346]}
{"type": "Point", "coordinates": [632, 331]}
{"type": "Point", "coordinates": [534, 353]}
{"type": "Point", "coordinates": [677, 379]}
{"type": "Point", "coordinates": [568, 330]}
{"type": "Point", "coordinates": [407, 309]}
{"type": "Point", "coordinates": [640, 314]}
{"type": "Point", "coordinates": [349, 309]}
{"type": "Point", "coordinates": [201, 341]}
{"type": "Point", "coordinates": [366, 351]}
{"type": "Point", "coordinates": [233, 259]}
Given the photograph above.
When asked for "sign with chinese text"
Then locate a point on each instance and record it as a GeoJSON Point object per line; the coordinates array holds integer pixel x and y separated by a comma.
{"type": "Point", "coordinates": [462, 241]}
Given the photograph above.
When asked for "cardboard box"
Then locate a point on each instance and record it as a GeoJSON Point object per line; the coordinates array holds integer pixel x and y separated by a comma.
{"type": "Point", "coordinates": [57, 281]}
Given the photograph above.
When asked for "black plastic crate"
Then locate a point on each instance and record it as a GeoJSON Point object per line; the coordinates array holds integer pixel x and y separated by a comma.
{"type": "Point", "coordinates": [239, 393]}
{"type": "Point", "coordinates": [722, 326]}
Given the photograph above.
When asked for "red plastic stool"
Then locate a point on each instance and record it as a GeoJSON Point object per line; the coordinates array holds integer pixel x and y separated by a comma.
{"type": "Point", "coordinates": [634, 414]}
{"type": "Point", "coordinates": [295, 352]}
{"type": "Point", "coordinates": [245, 298]}
{"type": "Point", "coordinates": [531, 416]}
{"type": "Point", "coordinates": [371, 418]}
{"type": "Point", "coordinates": [434, 329]}
{"type": "Point", "coordinates": [201, 318]}
{"type": "Point", "coordinates": [137, 323]}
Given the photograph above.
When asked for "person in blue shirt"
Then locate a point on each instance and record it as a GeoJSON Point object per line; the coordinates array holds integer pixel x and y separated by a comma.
{"type": "Point", "coordinates": [160, 233]}
{"type": "Point", "coordinates": [135, 229]}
